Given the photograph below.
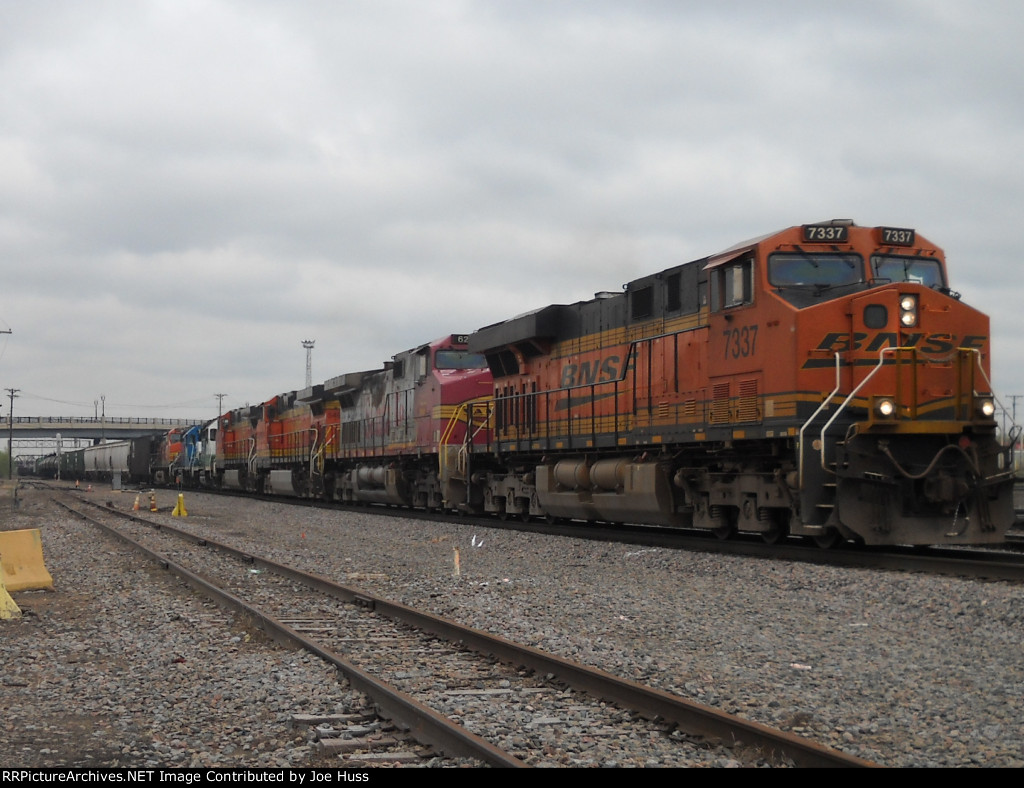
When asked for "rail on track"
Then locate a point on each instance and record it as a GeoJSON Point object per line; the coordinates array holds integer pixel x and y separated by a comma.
{"type": "Point", "coordinates": [429, 728]}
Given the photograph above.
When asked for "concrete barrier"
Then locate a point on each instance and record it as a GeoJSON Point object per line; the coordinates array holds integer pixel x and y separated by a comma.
{"type": "Point", "coordinates": [21, 554]}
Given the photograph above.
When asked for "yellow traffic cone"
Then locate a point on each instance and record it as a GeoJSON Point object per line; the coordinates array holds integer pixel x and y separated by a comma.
{"type": "Point", "coordinates": [179, 508]}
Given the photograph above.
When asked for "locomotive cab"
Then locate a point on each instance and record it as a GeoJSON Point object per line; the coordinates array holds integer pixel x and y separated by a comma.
{"type": "Point", "coordinates": [905, 445]}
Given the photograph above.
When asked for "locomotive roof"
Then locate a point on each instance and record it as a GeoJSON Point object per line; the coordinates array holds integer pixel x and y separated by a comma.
{"type": "Point", "coordinates": [543, 323]}
{"type": "Point", "coordinates": [562, 320]}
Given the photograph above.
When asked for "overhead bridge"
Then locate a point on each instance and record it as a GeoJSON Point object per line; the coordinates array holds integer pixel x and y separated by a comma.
{"type": "Point", "coordinates": [48, 429]}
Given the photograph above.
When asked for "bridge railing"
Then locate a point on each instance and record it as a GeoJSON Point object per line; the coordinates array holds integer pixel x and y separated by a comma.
{"type": "Point", "coordinates": [98, 422]}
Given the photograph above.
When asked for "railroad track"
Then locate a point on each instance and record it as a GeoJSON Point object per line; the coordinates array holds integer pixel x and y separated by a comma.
{"type": "Point", "coordinates": [440, 687]}
{"type": "Point", "coordinates": [1004, 563]}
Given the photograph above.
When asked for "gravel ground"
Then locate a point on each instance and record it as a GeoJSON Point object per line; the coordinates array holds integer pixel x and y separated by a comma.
{"type": "Point", "coordinates": [114, 669]}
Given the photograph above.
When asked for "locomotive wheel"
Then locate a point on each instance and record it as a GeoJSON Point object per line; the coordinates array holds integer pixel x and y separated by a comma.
{"type": "Point", "coordinates": [828, 540]}
{"type": "Point", "coordinates": [724, 532]}
{"type": "Point", "coordinates": [729, 521]}
{"type": "Point", "coordinates": [779, 528]}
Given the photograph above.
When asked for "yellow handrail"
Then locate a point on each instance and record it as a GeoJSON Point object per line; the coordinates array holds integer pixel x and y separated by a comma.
{"type": "Point", "coordinates": [470, 409]}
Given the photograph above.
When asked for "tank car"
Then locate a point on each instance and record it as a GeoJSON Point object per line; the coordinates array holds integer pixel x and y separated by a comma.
{"type": "Point", "coordinates": [46, 466]}
{"type": "Point", "coordinates": [821, 381]}
{"type": "Point", "coordinates": [396, 435]}
{"type": "Point", "coordinates": [71, 464]}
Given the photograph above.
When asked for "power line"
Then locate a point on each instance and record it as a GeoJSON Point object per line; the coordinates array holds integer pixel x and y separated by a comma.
{"type": "Point", "coordinates": [185, 404]}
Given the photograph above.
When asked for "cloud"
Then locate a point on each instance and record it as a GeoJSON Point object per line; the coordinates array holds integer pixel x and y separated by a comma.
{"type": "Point", "coordinates": [196, 186]}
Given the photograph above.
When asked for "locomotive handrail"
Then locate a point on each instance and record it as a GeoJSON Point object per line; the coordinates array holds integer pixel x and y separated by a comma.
{"type": "Point", "coordinates": [448, 430]}
{"type": "Point", "coordinates": [814, 415]}
{"type": "Point", "coordinates": [442, 456]}
{"type": "Point", "coordinates": [845, 403]}
{"type": "Point", "coordinates": [1013, 424]}
{"type": "Point", "coordinates": [472, 430]}
{"type": "Point", "coordinates": [314, 452]}
{"type": "Point", "coordinates": [484, 409]}
{"type": "Point", "coordinates": [881, 363]}
{"type": "Point", "coordinates": [251, 459]}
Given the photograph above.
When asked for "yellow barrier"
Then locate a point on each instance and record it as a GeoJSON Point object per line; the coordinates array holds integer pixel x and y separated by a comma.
{"type": "Point", "coordinates": [8, 607]}
{"type": "Point", "coordinates": [21, 554]}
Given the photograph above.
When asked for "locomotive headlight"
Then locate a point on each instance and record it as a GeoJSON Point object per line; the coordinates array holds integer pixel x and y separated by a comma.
{"type": "Point", "coordinates": [986, 408]}
{"type": "Point", "coordinates": [908, 310]}
{"type": "Point", "coordinates": [885, 407]}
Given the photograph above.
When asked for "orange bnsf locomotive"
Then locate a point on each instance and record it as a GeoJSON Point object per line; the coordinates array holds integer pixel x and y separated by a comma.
{"type": "Point", "coordinates": [822, 381]}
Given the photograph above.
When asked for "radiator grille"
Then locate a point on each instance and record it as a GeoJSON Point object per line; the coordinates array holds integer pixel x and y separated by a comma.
{"type": "Point", "coordinates": [746, 405]}
{"type": "Point", "coordinates": [719, 403]}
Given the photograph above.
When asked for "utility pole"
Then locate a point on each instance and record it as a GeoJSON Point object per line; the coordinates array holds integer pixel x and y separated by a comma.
{"type": "Point", "coordinates": [10, 434]}
{"type": "Point", "coordinates": [220, 404]}
{"type": "Point", "coordinates": [308, 344]}
{"type": "Point", "coordinates": [1013, 398]}
{"type": "Point", "coordinates": [1013, 418]}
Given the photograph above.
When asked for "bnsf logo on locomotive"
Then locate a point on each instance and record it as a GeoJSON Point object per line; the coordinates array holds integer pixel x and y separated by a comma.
{"type": "Point", "coordinates": [601, 370]}
{"type": "Point", "coordinates": [932, 344]}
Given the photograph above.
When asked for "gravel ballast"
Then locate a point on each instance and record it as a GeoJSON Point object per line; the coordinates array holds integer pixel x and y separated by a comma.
{"type": "Point", "coordinates": [122, 666]}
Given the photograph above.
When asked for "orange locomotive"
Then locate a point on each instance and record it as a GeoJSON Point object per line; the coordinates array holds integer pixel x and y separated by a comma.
{"type": "Point", "coordinates": [398, 435]}
{"type": "Point", "coordinates": [822, 381]}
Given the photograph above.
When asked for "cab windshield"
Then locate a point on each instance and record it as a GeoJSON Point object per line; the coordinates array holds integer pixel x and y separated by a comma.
{"type": "Point", "coordinates": [459, 359]}
{"type": "Point", "coordinates": [814, 270]}
{"type": "Point", "coordinates": [895, 268]}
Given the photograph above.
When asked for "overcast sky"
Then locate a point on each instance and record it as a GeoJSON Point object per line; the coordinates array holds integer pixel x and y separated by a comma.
{"type": "Point", "coordinates": [190, 188]}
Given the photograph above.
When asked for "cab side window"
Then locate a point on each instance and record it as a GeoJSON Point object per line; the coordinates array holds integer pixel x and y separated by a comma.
{"type": "Point", "coordinates": [732, 284]}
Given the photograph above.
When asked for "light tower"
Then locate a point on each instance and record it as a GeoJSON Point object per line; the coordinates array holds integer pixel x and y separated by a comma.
{"type": "Point", "coordinates": [308, 344]}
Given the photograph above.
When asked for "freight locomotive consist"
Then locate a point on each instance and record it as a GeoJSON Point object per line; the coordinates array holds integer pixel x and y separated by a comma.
{"type": "Point", "coordinates": [823, 381]}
